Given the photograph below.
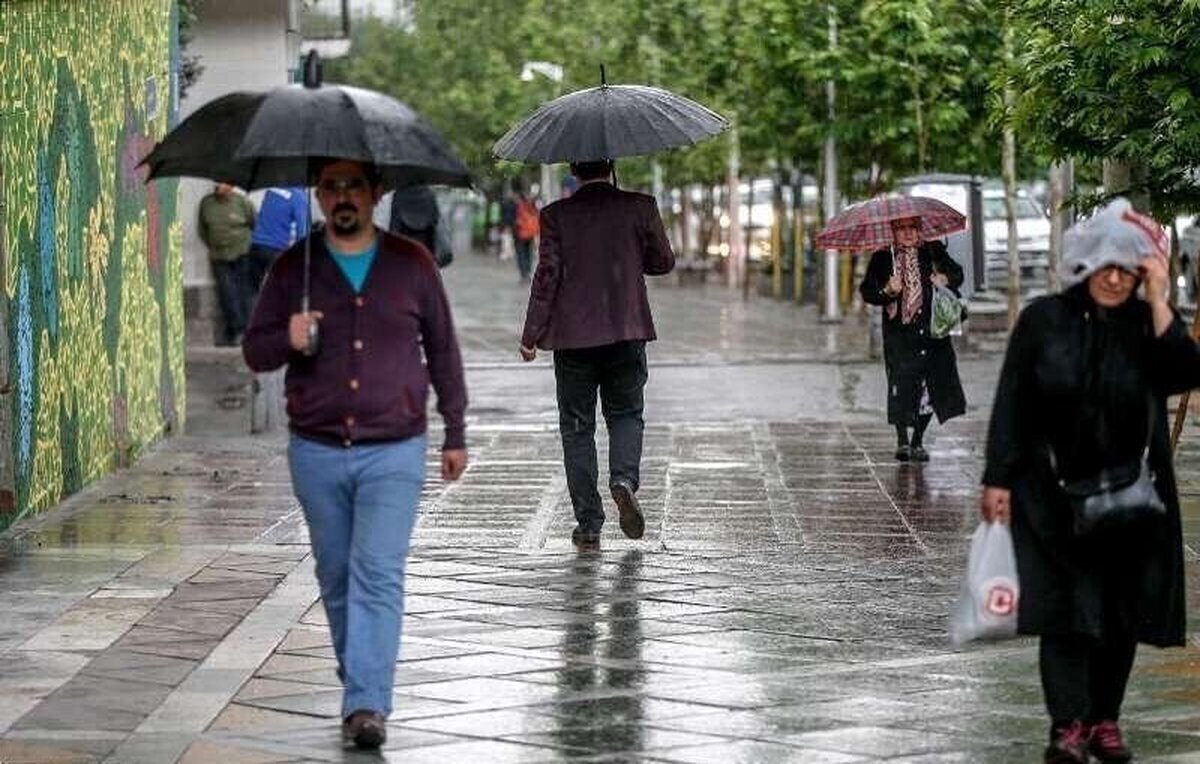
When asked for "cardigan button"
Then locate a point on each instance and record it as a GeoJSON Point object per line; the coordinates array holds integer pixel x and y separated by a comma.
{"type": "Point", "coordinates": [358, 344]}
{"type": "Point", "coordinates": [354, 384]}
{"type": "Point", "coordinates": [359, 302]}
{"type": "Point", "coordinates": [350, 421]}
{"type": "Point", "coordinates": [347, 443]}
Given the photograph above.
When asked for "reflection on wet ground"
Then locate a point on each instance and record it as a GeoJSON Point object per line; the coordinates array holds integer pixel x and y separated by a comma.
{"type": "Point", "coordinates": [788, 603]}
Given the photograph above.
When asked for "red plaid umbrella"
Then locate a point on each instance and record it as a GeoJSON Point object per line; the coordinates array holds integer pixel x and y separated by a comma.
{"type": "Point", "coordinates": [868, 225]}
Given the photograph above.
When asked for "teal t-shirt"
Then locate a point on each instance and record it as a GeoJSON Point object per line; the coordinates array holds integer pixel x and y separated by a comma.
{"type": "Point", "coordinates": [356, 265]}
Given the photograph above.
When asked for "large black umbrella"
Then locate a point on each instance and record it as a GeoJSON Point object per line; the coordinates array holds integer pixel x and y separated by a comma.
{"type": "Point", "coordinates": [258, 140]}
{"type": "Point", "coordinates": [608, 122]}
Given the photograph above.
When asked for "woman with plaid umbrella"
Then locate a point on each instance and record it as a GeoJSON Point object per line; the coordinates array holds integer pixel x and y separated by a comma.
{"type": "Point", "coordinates": [922, 370]}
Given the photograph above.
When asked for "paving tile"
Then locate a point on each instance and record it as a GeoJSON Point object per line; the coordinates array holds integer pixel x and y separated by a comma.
{"type": "Point", "coordinates": [18, 752]}
{"type": "Point", "coordinates": [753, 752]}
{"type": "Point", "coordinates": [205, 752]}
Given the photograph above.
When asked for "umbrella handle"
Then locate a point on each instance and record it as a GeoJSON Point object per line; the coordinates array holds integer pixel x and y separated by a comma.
{"type": "Point", "coordinates": [314, 336]}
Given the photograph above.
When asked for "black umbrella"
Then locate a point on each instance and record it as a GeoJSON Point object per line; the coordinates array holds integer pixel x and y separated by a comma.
{"type": "Point", "coordinates": [258, 140]}
{"type": "Point", "coordinates": [608, 122]}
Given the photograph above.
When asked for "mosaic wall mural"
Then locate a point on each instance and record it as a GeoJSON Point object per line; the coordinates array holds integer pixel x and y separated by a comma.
{"type": "Point", "coordinates": [92, 264]}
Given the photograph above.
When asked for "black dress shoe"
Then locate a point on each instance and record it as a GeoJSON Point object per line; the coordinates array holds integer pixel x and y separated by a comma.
{"type": "Point", "coordinates": [919, 454]}
{"type": "Point", "coordinates": [585, 540]}
{"type": "Point", "coordinates": [367, 729]}
{"type": "Point", "coordinates": [903, 453]}
{"type": "Point", "coordinates": [633, 525]}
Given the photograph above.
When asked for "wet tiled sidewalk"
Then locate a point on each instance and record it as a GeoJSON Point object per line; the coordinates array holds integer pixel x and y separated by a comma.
{"type": "Point", "coordinates": [788, 603]}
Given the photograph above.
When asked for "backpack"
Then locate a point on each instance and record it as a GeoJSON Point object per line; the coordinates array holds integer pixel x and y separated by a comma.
{"type": "Point", "coordinates": [526, 227]}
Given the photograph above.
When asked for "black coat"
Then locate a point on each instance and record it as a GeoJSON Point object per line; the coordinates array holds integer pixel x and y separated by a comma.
{"type": "Point", "coordinates": [1088, 383]}
{"type": "Point", "coordinates": [910, 355]}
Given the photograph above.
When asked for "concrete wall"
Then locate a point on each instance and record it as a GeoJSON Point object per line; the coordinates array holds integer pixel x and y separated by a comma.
{"type": "Point", "coordinates": [242, 45]}
{"type": "Point", "coordinates": [91, 256]}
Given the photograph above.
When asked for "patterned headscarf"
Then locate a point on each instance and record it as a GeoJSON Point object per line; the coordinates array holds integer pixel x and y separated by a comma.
{"type": "Point", "coordinates": [912, 295]}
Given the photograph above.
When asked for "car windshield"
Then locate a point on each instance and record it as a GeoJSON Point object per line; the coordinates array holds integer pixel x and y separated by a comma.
{"type": "Point", "coordinates": [993, 208]}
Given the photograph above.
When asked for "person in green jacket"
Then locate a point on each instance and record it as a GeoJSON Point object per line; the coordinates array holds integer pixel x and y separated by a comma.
{"type": "Point", "coordinates": [225, 223]}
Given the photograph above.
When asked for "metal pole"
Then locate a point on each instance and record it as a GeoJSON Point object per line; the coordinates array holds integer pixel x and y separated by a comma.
{"type": "Point", "coordinates": [833, 310]}
{"type": "Point", "coordinates": [799, 253]}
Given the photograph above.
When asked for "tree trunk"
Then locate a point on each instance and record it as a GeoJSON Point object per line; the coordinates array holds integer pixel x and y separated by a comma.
{"type": "Point", "coordinates": [799, 255]}
{"type": "Point", "coordinates": [778, 218]}
{"type": "Point", "coordinates": [1058, 195]}
{"type": "Point", "coordinates": [1010, 193]}
{"type": "Point", "coordinates": [685, 221]}
{"type": "Point", "coordinates": [1122, 178]}
{"type": "Point", "coordinates": [748, 231]}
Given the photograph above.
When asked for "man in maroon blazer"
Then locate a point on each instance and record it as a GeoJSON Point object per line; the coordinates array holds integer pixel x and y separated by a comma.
{"type": "Point", "coordinates": [356, 410]}
{"type": "Point", "coordinates": [588, 304]}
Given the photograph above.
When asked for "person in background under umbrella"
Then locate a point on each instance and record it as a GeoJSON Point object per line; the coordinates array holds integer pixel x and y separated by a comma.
{"type": "Point", "coordinates": [225, 221]}
{"type": "Point", "coordinates": [922, 372]}
{"type": "Point", "coordinates": [1083, 389]}
{"type": "Point", "coordinates": [588, 304]}
{"type": "Point", "coordinates": [357, 418]}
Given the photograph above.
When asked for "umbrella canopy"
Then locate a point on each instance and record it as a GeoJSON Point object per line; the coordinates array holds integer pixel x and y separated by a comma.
{"type": "Point", "coordinates": [868, 225]}
{"type": "Point", "coordinates": [608, 122]}
{"type": "Point", "coordinates": [257, 140]}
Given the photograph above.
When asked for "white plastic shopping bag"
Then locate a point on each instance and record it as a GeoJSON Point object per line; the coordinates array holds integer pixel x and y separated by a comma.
{"type": "Point", "coordinates": [987, 606]}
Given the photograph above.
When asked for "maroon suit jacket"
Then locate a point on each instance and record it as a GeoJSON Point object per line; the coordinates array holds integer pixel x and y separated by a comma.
{"type": "Point", "coordinates": [380, 348]}
{"type": "Point", "coordinates": [589, 290]}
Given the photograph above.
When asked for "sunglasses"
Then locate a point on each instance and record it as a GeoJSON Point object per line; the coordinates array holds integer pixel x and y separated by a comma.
{"type": "Point", "coordinates": [343, 185]}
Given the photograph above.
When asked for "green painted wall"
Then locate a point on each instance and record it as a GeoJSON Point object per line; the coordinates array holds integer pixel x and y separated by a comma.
{"type": "Point", "coordinates": [92, 269]}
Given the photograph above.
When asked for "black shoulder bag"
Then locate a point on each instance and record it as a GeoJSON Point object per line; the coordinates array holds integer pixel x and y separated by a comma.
{"type": "Point", "coordinates": [1116, 498]}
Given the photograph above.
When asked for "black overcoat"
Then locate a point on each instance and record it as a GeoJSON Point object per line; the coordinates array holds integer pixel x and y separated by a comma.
{"type": "Point", "coordinates": [1089, 383]}
{"type": "Point", "coordinates": [910, 355]}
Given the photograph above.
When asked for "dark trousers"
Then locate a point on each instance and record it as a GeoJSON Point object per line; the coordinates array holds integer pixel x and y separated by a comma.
{"type": "Point", "coordinates": [1085, 679]}
{"type": "Point", "coordinates": [618, 372]}
{"type": "Point", "coordinates": [524, 248]}
{"type": "Point", "coordinates": [228, 275]}
{"type": "Point", "coordinates": [258, 261]}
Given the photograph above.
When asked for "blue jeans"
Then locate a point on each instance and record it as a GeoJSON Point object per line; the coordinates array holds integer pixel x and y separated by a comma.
{"type": "Point", "coordinates": [361, 504]}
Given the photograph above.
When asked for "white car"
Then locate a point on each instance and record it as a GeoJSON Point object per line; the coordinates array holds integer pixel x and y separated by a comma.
{"type": "Point", "coordinates": [1033, 234]}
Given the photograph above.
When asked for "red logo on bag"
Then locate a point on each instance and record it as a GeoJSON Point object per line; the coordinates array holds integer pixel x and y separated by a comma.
{"type": "Point", "coordinates": [1001, 600]}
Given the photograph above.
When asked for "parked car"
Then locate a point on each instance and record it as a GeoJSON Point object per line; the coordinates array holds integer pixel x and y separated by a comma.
{"type": "Point", "coordinates": [1033, 235]}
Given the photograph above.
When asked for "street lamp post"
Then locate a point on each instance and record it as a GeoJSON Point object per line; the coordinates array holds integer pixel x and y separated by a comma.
{"type": "Point", "coordinates": [553, 72]}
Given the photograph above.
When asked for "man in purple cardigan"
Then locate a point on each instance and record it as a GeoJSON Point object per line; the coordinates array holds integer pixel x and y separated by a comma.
{"type": "Point", "coordinates": [588, 304]}
{"type": "Point", "coordinates": [356, 409]}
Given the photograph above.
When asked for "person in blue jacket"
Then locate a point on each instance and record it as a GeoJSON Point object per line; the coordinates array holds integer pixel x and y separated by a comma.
{"type": "Point", "coordinates": [282, 219]}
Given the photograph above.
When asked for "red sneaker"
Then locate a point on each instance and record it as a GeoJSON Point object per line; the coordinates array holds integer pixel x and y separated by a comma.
{"type": "Point", "coordinates": [1106, 744]}
{"type": "Point", "coordinates": [1069, 746]}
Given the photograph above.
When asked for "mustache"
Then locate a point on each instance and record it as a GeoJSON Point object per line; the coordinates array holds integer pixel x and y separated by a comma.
{"type": "Point", "coordinates": [344, 207]}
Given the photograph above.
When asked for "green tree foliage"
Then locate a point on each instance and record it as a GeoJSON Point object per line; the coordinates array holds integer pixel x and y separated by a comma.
{"type": "Point", "coordinates": [1117, 80]}
{"type": "Point", "coordinates": [915, 78]}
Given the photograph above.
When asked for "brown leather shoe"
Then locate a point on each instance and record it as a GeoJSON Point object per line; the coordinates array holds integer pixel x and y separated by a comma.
{"type": "Point", "coordinates": [633, 525]}
{"type": "Point", "coordinates": [367, 729]}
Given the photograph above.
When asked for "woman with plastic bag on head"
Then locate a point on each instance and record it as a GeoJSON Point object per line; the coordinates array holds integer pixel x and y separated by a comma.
{"type": "Point", "coordinates": [922, 370]}
{"type": "Point", "coordinates": [1078, 459]}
